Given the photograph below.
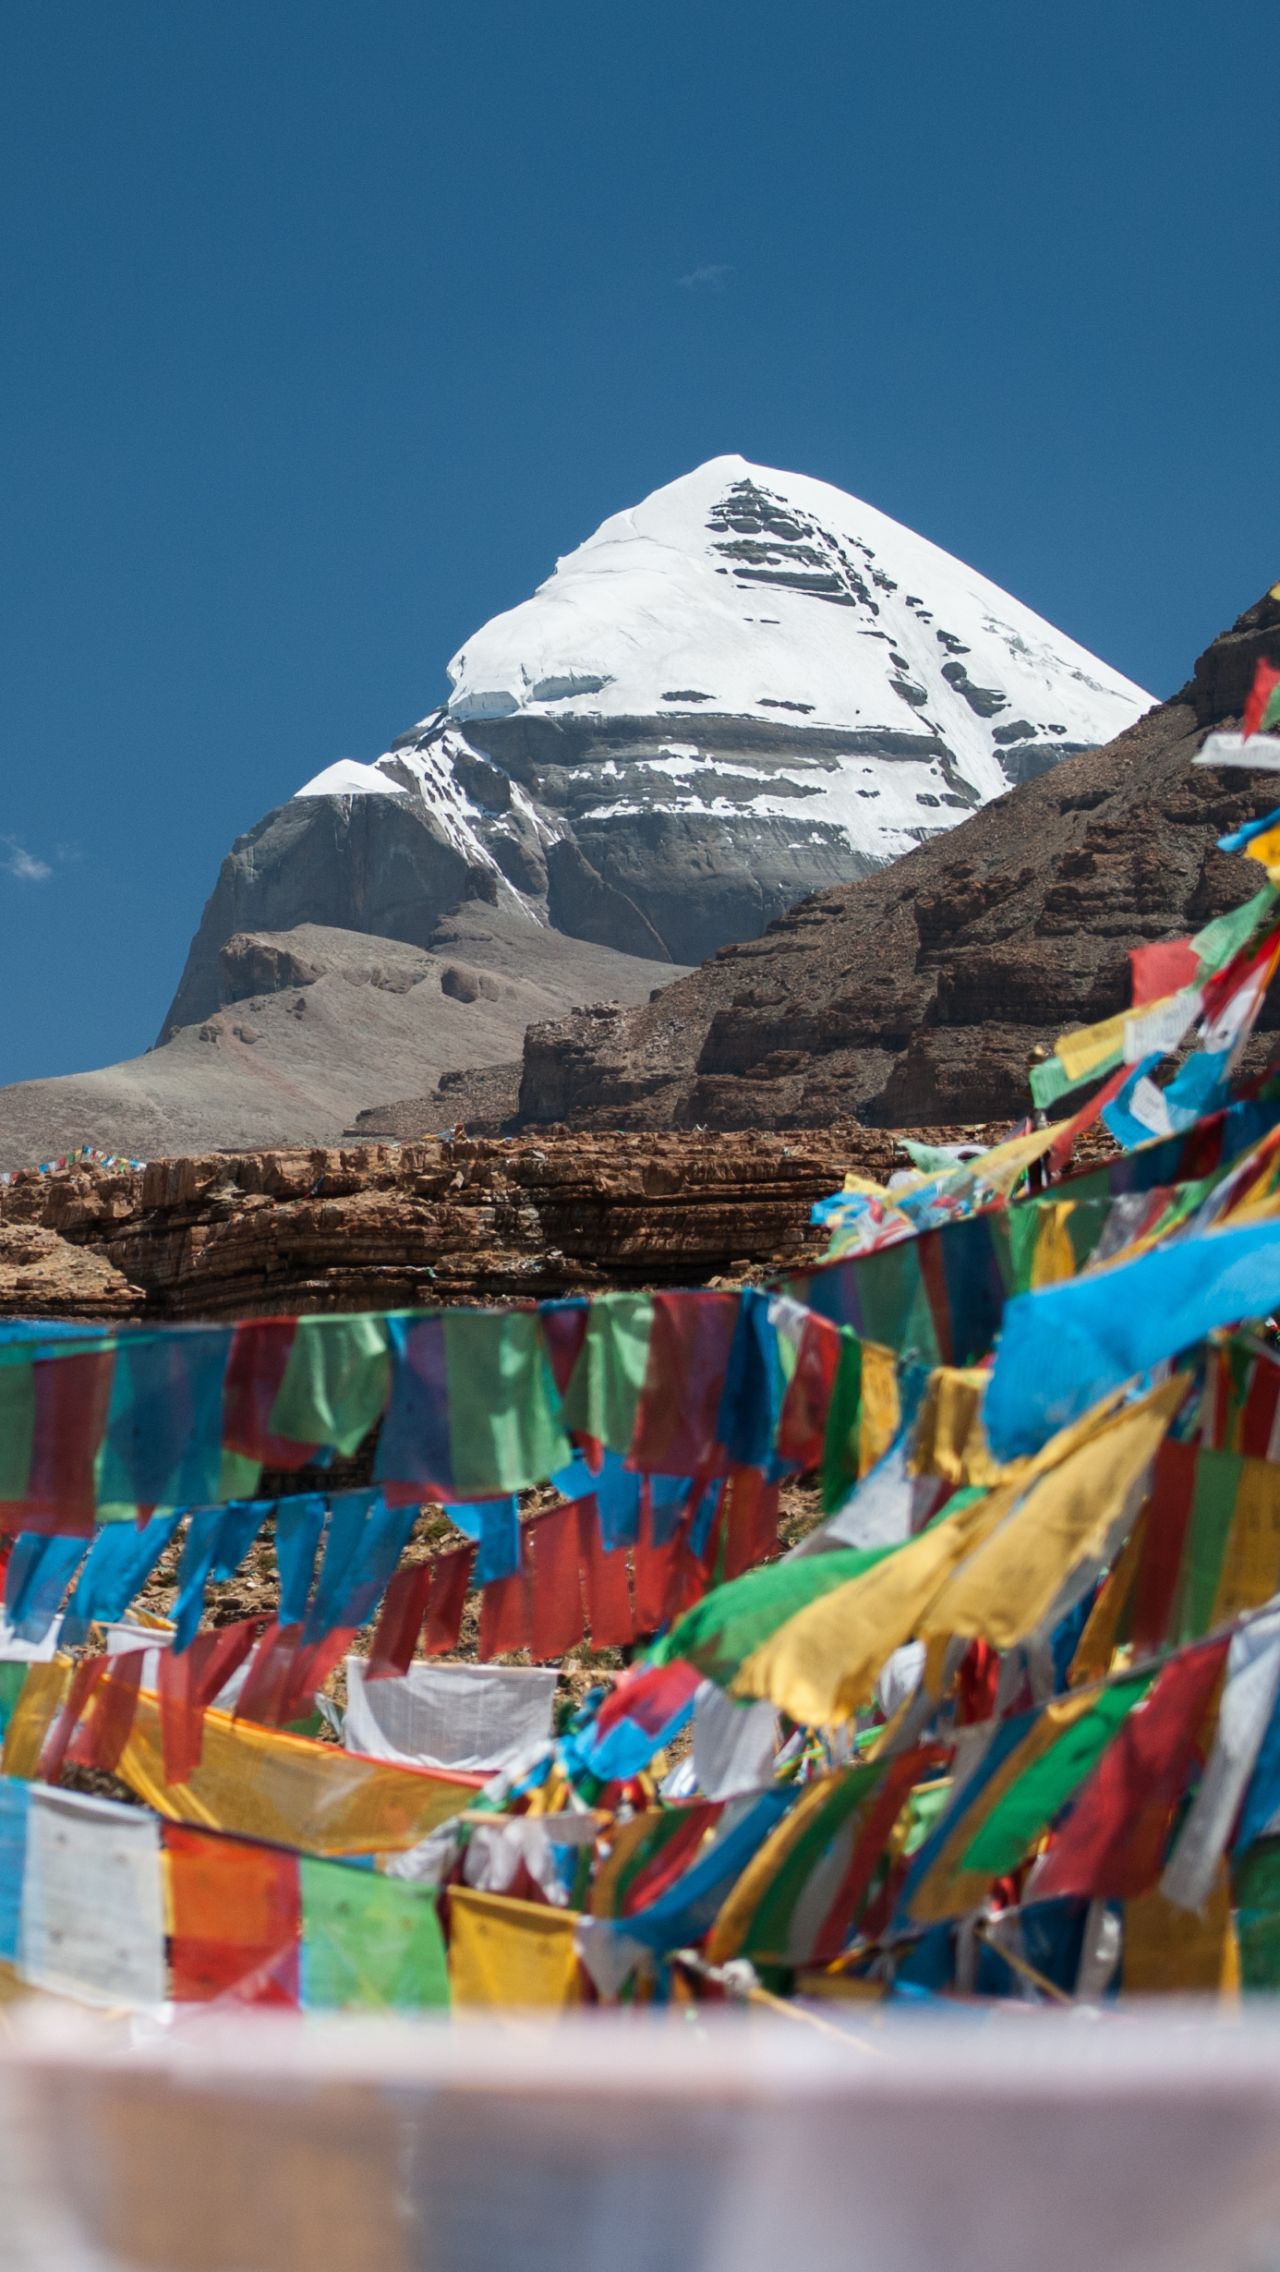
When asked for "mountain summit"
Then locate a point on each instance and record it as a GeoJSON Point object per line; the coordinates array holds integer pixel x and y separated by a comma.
{"type": "Point", "coordinates": [746, 686]}
{"type": "Point", "coordinates": [738, 592]}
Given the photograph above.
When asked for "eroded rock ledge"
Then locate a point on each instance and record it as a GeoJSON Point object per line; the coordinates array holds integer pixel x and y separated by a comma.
{"type": "Point", "coordinates": [384, 1226]}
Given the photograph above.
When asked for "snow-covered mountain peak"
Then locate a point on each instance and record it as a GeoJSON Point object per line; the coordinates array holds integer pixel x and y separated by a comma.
{"type": "Point", "coordinates": [739, 590]}
{"type": "Point", "coordinates": [745, 686]}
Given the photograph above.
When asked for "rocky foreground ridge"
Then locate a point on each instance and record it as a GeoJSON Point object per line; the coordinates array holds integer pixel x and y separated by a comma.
{"type": "Point", "coordinates": [922, 993]}
{"type": "Point", "coordinates": [376, 1226]}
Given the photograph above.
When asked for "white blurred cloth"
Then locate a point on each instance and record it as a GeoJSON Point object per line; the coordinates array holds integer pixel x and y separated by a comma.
{"type": "Point", "coordinates": [17, 1652]}
{"type": "Point", "coordinates": [733, 1744]}
{"type": "Point", "coordinates": [92, 1920]}
{"type": "Point", "coordinates": [466, 1717]}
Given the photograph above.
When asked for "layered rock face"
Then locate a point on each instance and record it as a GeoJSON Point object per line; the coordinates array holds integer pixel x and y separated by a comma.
{"type": "Point", "coordinates": [382, 1227]}
{"type": "Point", "coordinates": [923, 992]}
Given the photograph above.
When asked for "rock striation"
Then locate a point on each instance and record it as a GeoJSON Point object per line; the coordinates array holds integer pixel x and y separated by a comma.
{"type": "Point", "coordinates": [923, 992]}
{"type": "Point", "coordinates": [379, 1226]}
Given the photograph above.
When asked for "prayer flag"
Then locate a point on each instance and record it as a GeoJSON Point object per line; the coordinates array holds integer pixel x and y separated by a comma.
{"type": "Point", "coordinates": [234, 1919]}
{"type": "Point", "coordinates": [518, 1954]}
{"type": "Point", "coordinates": [369, 1943]}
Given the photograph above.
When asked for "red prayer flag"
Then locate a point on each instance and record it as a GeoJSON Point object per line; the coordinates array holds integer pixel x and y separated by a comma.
{"type": "Point", "coordinates": [217, 1656]}
{"type": "Point", "coordinates": [504, 1617]}
{"type": "Point", "coordinates": [689, 1344]}
{"type": "Point", "coordinates": [803, 1419]}
{"type": "Point", "coordinates": [976, 1684]}
{"type": "Point", "coordinates": [564, 1329]}
{"type": "Point", "coordinates": [557, 1583]}
{"type": "Point", "coordinates": [1112, 1846]}
{"type": "Point", "coordinates": [53, 1751]}
{"type": "Point", "coordinates": [609, 1610]}
{"type": "Point", "coordinates": [1265, 678]}
{"type": "Point", "coordinates": [267, 1685]}
{"type": "Point", "coordinates": [1164, 968]}
{"type": "Point", "coordinates": [181, 1718]}
{"type": "Point", "coordinates": [1166, 1518]}
{"type": "Point", "coordinates": [310, 1669]}
{"type": "Point", "coordinates": [403, 1612]}
{"type": "Point", "coordinates": [450, 1578]}
{"type": "Point", "coordinates": [655, 1570]}
{"type": "Point", "coordinates": [116, 1703]}
{"type": "Point", "coordinates": [236, 1919]}
{"type": "Point", "coordinates": [751, 1521]}
{"type": "Point", "coordinates": [255, 1369]}
{"type": "Point", "coordinates": [72, 1397]}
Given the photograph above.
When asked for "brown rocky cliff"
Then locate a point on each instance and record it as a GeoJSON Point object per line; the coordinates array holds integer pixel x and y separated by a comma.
{"type": "Point", "coordinates": [921, 993]}
{"type": "Point", "coordinates": [473, 1219]}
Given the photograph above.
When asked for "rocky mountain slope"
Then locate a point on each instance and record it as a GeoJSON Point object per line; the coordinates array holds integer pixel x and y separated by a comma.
{"type": "Point", "coordinates": [921, 993]}
{"type": "Point", "coordinates": [308, 1025]}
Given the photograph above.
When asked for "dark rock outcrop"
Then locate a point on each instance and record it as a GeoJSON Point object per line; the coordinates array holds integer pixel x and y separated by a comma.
{"type": "Point", "coordinates": [923, 992]}
{"type": "Point", "coordinates": [380, 865]}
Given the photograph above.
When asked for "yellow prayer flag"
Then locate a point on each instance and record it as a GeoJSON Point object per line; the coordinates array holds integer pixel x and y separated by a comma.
{"type": "Point", "coordinates": [823, 1663]}
{"type": "Point", "coordinates": [1053, 1258]}
{"type": "Point", "coordinates": [950, 1438]}
{"type": "Point", "coordinates": [1086, 1049]}
{"type": "Point", "coordinates": [512, 1953]}
{"type": "Point", "coordinates": [881, 1412]}
{"type": "Point", "coordinates": [1171, 1951]}
{"type": "Point", "coordinates": [1266, 848]}
{"type": "Point", "coordinates": [1012, 1579]}
{"type": "Point", "coordinates": [1250, 1570]}
{"type": "Point", "coordinates": [1098, 1646]}
{"type": "Point", "coordinates": [43, 1693]}
{"type": "Point", "coordinates": [265, 1784]}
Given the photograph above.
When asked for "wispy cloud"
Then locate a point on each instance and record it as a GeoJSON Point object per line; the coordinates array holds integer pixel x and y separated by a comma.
{"type": "Point", "coordinates": [711, 277]}
{"type": "Point", "coordinates": [17, 861]}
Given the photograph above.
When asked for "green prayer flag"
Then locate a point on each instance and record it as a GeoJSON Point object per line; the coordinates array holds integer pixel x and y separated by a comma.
{"type": "Point", "coordinates": [1225, 936]}
{"type": "Point", "coordinates": [726, 1625]}
{"type": "Point", "coordinates": [609, 1377]}
{"type": "Point", "coordinates": [505, 1427]}
{"type": "Point", "coordinates": [1256, 1893]}
{"type": "Point", "coordinates": [335, 1382]}
{"type": "Point", "coordinates": [1018, 1818]}
{"type": "Point", "coordinates": [894, 1299]}
{"type": "Point", "coordinates": [12, 1677]}
{"type": "Point", "coordinates": [1050, 1080]}
{"type": "Point", "coordinates": [1213, 1507]}
{"type": "Point", "coordinates": [369, 1943]}
{"type": "Point", "coordinates": [17, 1427]}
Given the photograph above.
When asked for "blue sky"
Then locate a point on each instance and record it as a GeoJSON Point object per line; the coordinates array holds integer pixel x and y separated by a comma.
{"type": "Point", "coordinates": [326, 328]}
